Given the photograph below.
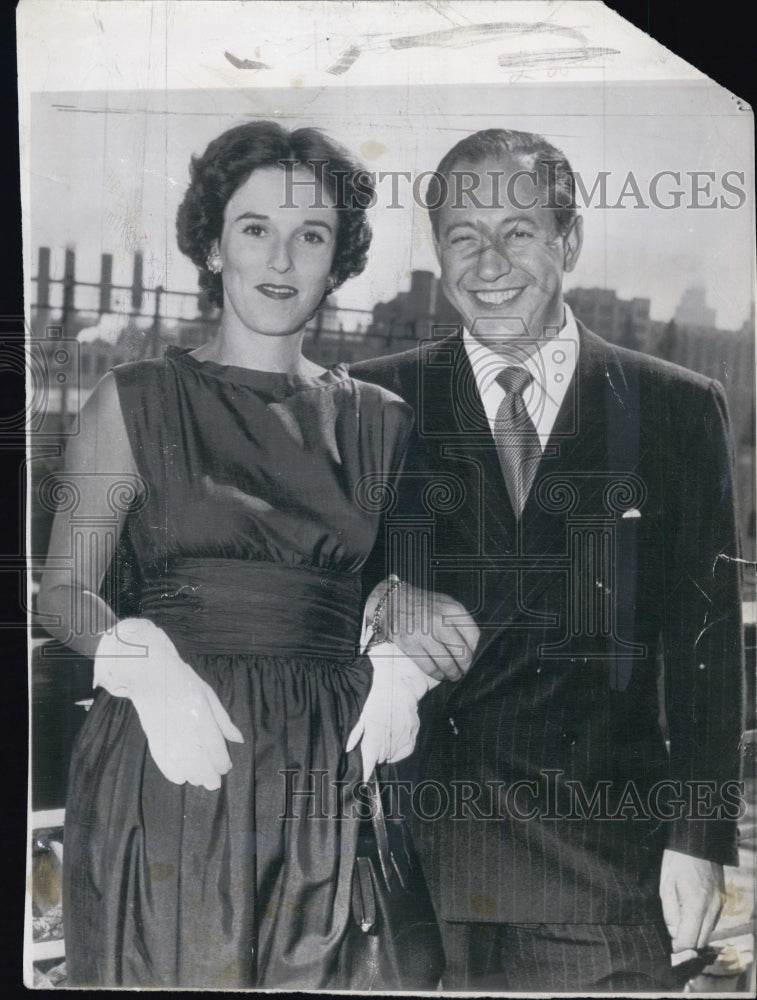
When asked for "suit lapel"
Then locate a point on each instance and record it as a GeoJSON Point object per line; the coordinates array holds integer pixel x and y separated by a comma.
{"type": "Point", "coordinates": [456, 432]}
{"type": "Point", "coordinates": [577, 447]}
{"type": "Point", "coordinates": [577, 443]}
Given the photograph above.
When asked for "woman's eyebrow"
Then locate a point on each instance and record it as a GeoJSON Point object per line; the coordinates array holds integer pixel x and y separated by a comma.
{"type": "Point", "coordinates": [267, 218]}
{"type": "Point", "coordinates": [251, 215]}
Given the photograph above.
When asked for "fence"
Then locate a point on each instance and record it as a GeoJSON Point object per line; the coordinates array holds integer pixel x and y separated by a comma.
{"type": "Point", "coordinates": [142, 319]}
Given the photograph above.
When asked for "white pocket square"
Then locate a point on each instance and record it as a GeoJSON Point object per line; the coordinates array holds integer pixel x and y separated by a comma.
{"type": "Point", "coordinates": [633, 512]}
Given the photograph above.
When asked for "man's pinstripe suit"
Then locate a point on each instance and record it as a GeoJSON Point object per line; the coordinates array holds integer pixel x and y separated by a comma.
{"type": "Point", "coordinates": [623, 559]}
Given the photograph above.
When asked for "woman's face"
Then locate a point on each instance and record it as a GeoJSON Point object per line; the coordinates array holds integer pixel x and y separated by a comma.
{"type": "Point", "coordinates": [277, 247]}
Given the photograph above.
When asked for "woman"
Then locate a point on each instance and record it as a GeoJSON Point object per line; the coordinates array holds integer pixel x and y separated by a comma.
{"type": "Point", "coordinates": [209, 839]}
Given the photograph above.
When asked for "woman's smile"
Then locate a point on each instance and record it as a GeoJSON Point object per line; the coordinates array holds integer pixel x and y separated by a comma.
{"type": "Point", "coordinates": [277, 291]}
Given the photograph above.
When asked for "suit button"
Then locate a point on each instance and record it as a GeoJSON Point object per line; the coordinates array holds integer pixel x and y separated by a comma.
{"type": "Point", "coordinates": [455, 730]}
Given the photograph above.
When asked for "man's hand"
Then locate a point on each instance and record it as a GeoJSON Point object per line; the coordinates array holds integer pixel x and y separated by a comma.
{"type": "Point", "coordinates": [433, 629]}
{"type": "Point", "coordinates": [692, 891]}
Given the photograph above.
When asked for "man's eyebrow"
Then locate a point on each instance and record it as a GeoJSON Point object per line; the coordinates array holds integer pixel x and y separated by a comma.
{"type": "Point", "coordinates": [483, 227]}
{"type": "Point", "coordinates": [459, 225]}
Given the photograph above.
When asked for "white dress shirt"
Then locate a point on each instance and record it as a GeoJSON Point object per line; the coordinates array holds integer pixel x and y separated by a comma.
{"type": "Point", "coordinates": [551, 364]}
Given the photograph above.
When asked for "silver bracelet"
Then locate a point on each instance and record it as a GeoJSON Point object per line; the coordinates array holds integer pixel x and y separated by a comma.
{"type": "Point", "coordinates": [378, 614]}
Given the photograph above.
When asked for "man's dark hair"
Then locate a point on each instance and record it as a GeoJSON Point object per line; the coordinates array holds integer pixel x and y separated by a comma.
{"type": "Point", "coordinates": [536, 153]}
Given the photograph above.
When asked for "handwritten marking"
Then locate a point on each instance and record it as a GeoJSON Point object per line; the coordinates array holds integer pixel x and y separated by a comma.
{"type": "Point", "coordinates": [238, 63]}
{"type": "Point", "coordinates": [461, 36]}
{"type": "Point", "coordinates": [554, 57]}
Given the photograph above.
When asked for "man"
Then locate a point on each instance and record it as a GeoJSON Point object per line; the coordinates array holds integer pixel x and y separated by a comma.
{"type": "Point", "coordinates": [576, 498]}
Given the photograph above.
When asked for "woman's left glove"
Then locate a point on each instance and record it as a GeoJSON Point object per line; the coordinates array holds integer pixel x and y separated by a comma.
{"type": "Point", "coordinates": [185, 723]}
{"type": "Point", "coordinates": [389, 723]}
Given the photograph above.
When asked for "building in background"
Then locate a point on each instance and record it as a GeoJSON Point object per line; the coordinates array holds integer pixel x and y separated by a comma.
{"type": "Point", "coordinates": [624, 322]}
{"type": "Point", "coordinates": [693, 310]}
{"type": "Point", "coordinates": [416, 314]}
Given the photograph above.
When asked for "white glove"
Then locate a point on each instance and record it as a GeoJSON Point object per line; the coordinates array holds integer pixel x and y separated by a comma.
{"type": "Point", "coordinates": [185, 724]}
{"type": "Point", "coordinates": [388, 725]}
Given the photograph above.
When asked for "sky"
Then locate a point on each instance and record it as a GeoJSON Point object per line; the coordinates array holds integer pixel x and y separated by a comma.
{"type": "Point", "coordinates": [108, 170]}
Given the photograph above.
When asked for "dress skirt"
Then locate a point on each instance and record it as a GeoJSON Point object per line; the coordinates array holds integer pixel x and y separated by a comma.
{"type": "Point", "coordinates": [247, 885]}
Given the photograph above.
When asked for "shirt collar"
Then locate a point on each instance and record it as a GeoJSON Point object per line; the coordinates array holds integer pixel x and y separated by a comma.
{"type": "Point", "coordinates": [487, 364]}
{"type": "Point", "coordinates": [551, 365]}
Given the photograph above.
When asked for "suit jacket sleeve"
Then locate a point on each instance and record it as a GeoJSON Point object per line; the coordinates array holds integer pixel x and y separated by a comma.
{"type": "Point", "coordinates": [704, 666]}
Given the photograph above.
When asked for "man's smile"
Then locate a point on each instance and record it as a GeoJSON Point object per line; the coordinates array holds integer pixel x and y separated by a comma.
{"type": "Point", "coordinates": [495, 298]}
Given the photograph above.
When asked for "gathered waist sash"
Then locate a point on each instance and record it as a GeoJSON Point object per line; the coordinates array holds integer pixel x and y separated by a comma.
{"type": "Point", "coordinates": [236, 606]}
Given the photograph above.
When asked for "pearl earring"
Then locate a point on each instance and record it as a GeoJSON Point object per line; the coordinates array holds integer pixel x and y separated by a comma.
{"type": "Point", "coordinates": [214, 262]}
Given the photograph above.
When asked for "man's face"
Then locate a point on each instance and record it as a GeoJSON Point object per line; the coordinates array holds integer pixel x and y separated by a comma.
{"type": "Point", "coordinates": [502, 255]}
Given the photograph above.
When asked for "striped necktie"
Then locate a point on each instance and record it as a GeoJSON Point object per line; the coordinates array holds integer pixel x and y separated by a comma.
{"type": "Point", "coordinates": [515, 436]}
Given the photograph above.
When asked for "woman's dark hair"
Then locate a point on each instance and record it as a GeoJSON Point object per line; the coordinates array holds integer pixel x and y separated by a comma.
{"type": "Point", "coordinates": [233, 156]}
{"type": "Point", "coordinates": [534, 151]}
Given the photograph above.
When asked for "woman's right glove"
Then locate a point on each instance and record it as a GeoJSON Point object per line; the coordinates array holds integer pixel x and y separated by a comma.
{"type": "Point", "coordinates": [185, 723]}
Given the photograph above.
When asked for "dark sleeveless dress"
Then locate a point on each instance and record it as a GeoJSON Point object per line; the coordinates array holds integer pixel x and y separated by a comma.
{"type": "Point", "coordinates": [262, 498]}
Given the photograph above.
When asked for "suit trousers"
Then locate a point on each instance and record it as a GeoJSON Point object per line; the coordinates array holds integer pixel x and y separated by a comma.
{"type": "Point", "coordinates": [557, 957]}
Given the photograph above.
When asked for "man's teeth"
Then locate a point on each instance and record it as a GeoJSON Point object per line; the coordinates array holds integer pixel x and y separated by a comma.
{"type": "Point", "coordinates": [497, 298]}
